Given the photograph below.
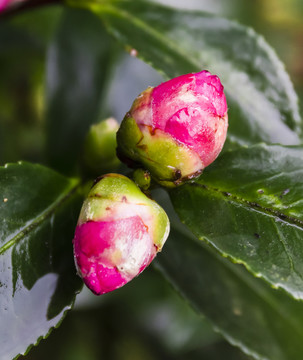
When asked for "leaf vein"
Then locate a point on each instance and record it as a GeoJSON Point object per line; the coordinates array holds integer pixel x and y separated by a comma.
{"type": "Point", "coordinates": [251, 204]}
{"type": "Point", "coordinates": [34, 223]}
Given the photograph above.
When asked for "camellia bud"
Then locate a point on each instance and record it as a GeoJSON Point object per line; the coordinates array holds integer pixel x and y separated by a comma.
{"type": "Point", "coordinates": [3, 4]}
{"type": "Point", "coordinates": [176, 129]}
{"type": "Point", "coordinates": [99, 155]}
{"type": "Point", "coordinates": [142, 179]}
{"type": "Point", "coordinates": [119, 232]}
{"type": "Point", "coordinates": [6, 4]}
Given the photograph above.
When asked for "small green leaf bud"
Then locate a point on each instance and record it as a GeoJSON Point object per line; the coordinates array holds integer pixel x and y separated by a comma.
{"type": "Point", "coordinates": [142, 179]}
{"type": "Point", "coordinates": [100, 147]}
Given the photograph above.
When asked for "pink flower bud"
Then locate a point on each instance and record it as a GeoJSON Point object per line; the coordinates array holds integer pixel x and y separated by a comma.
{"type": "Point", "coordinates": [6, 4]}
{"type": "Point", "coordinates": [3, 4]}
{"type": "Point", "coordinates": [175, 129]}
{"type": "Point", "coordinates": [119, 232]}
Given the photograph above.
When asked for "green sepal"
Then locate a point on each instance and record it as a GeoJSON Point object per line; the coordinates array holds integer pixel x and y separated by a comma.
{"type": "Point", "coordinates": [142, 179]}
{"type": "Point", "coordinates": [99, 153]}
{"type": "Point", "coordinates": [113, 192]}
{"type": "Point", "coordinates": [169, 162]}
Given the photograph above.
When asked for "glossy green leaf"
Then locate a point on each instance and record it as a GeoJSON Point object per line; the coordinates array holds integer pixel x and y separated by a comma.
{"type": "Point", "coordinates": [154, 323]}
{"type": "Point", "coordinates": [38, 281]}
{"type": "Point", "coordinates": [262, 102]}
{"type": "Point", "coordinates": [248, 205]}
{"type": "Point", "coordinates": [77, 69]}
{"type": "Point", "coordinates": [263, 322]}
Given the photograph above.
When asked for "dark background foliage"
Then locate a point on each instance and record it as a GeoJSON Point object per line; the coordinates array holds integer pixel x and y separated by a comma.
{"type": "Point", "coordinates": [61, 71]}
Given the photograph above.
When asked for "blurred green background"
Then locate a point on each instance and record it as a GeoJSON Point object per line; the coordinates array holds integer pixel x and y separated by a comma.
{"type": "Point", "coordinates": [146, 319]}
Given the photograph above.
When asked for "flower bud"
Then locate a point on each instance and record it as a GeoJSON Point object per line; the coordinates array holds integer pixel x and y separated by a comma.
{"type": "Point", "coordinates": [119, 232]}
{"type": "Point", "coordinates": [99, 155]}
{"type": "Point", "coordinates": [7, 4]}
{"type": "Point", "coordinates": [142, 179]}
{"type": "Point", "coordinates": [176, 129]}
{"type": "Point", "coordinates": [3, 4]}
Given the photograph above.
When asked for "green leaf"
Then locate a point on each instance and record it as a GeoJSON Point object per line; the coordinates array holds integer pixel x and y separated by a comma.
{"type": "Point", "coordinates": [248, 205]}
{"type": "Point", "coordinates": [77, 70]}
{"type": "Point", "coordinates": [263, 322]}
{"type": "Point", "coordinates": [262, 102]}
{"type": "Point", "coordinates": [153, 323]}
{"type": "Point", "coordinates": [38, 282]}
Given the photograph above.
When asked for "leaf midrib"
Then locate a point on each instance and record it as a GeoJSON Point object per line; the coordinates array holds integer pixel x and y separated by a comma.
{"type": "Point", "coordinates": [35, 222]}
{"type": "Point", "coordinates": [226, 194]}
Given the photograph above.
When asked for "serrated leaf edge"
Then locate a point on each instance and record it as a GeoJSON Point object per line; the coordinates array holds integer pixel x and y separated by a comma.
{"type": "Point", "coordinates": [216, 328]}
{"type": "Point", "coordinates": [255, 207]}
{"type": "Point", "coordinates": [109, 7]}
{"type": "Point", "coordinates": [32, 224]}
{"type": "Point", "coordinates": [72, 188]}
{"type": "Point", "coordinates": [44, 337]}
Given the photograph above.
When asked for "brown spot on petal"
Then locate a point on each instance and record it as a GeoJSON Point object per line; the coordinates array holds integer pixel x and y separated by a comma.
{"type": "Point", "coordinates": [96, 195]}
{"type": "Point", "coordinates": [183, 179]}
{"type": "Point", "coordinates": [97, 180]}
{"type": "Point", "coordinates": [151, 130]}
{"type": "Point", "coordinates": [142, 147]}
{"type": "Point", "coordinates": [178, 174]}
